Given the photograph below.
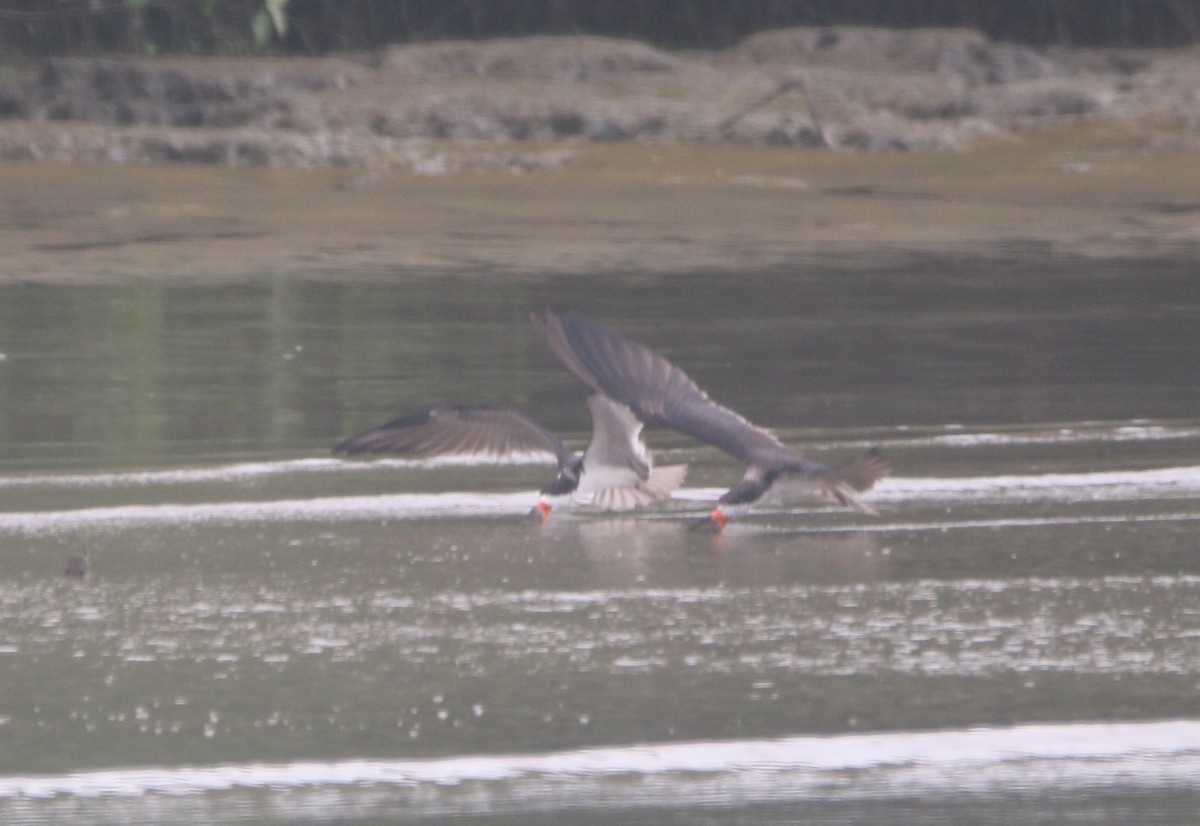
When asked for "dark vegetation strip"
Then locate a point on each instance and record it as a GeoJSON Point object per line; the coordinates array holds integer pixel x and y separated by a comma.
{"type": "Point", "coordinates": [39, 28]}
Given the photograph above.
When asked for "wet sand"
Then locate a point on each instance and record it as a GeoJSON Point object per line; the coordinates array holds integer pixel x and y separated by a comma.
{"type": "Point", "coordinates": [606, 208]}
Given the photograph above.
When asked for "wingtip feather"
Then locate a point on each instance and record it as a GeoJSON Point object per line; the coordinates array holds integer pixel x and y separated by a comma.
{"type": "Point", "coordinates": [857, 476]}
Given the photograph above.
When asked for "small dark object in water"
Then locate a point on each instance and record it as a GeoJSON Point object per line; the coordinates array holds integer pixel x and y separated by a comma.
{"type": "Point", "coordinates": [77, 566]}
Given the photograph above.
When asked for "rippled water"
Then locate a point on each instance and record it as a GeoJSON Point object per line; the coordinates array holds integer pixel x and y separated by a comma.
{"type": "Point", "coordinates": [269, 634]}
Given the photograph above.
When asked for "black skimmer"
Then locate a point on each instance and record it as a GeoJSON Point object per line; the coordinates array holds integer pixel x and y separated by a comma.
{"type": "Point", "coordinates": [662, 395]}
{"type": "Point", "coordinates": [615, 468]}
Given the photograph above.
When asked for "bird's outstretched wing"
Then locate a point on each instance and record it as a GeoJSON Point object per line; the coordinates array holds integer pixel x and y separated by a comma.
{"type": "Point", "coordinates": [658, 392]}
{"type": "Point", "coordinates": [616, 438]}
{"type": "Point", "coordinates": [444, 430]}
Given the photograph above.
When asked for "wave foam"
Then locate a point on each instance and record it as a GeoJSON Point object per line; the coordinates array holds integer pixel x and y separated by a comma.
{"type": "Point", "coordinates": [850, 765]}
{"type": "Point", "coordinates": [1163, 483]}
{"type": "Point", "coordinates": [1097, 485]}
{"type": "Point", "coordinates": [403, 506]}
{"type": "Point", "coordinates": [243, 471]}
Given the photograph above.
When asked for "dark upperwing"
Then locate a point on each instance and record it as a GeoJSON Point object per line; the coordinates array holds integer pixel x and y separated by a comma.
{"type": "Point", "coordinates": [658, 392]}
{"type": "Point", "coordinates": [445, 430]}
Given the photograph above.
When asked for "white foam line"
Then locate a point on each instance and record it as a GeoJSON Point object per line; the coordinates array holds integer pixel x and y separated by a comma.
{"type": "Point", "coordinates": [1064, 435]}
{"type": "Point", "coordinates": [1105, 747]}
{"type": "Point", "coordinates": [1105, 485]}
{"type": "Point", "coordinates": [340, 508]}
{"type": "Point", "coordinates": [1100, 484]}
{"type": "Point", "coordinates": [251, 470]}
{"type": "Point", "coordinates": [698, 494]}
{"type": "Point", "coordinates": [1097, 484]}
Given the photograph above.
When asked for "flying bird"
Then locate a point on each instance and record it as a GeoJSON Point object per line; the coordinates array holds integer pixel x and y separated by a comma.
{"type": "Point", "coordinates": [661, 395]}
{"type": "Point", "coordinates": [615, 468]}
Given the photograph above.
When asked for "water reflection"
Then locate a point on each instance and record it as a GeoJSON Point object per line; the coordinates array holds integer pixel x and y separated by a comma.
{"type": "Point", "coordinates": [253, 603]}
{"type": "Point", "coordinates": [148, 366]}
{"type": "Point", "coordinates": [663, 553]}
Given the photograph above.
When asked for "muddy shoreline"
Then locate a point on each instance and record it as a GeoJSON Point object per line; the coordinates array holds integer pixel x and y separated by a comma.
{"type": "Point", "coordinates": [582, 155]}
{"type": "Point", "coordinates": [609, 209]}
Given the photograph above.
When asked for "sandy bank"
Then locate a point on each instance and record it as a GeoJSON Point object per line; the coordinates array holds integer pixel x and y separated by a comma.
{"type": "Point", "coordinates": [576, 155]}
{"type": "Point", "coordinates": [625, 208]}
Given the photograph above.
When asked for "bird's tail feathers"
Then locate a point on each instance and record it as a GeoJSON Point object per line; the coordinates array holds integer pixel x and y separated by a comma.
{"type": "Point", "coordinates": [662, 483]}
{"type": "Point", "coordinates": [844, 482]}
{"type": "Point", "coordinates": [621, 499]}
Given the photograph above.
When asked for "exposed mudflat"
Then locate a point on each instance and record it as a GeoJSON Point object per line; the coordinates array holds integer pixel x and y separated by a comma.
{"type": "Point", "coordinates": [582, 154]}
{"type": "Point", "coordinates": [626, 208]}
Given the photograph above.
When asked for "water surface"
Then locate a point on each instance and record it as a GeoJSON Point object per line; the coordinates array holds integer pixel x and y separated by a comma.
{"type": "Point", "coordinates": [270, 634]}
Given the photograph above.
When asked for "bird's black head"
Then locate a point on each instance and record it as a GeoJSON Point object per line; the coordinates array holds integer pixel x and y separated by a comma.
{"type": "Point", "coordinates": [568, 479]}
